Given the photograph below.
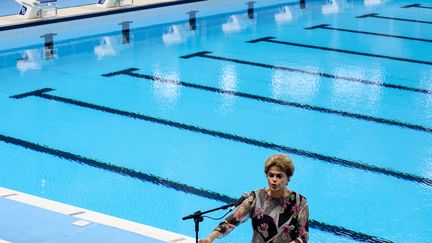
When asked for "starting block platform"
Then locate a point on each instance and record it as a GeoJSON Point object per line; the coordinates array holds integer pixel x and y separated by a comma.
{"type": "Point", "coordinates": [32, 9]}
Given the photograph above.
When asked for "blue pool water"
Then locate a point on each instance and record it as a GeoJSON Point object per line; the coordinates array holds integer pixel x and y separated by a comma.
{"type": "Point", "coordinates": [174, 133]}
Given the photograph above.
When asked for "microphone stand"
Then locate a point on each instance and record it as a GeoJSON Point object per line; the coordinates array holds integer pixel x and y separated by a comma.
{"type": "Point", "coordinates": [197, 217]}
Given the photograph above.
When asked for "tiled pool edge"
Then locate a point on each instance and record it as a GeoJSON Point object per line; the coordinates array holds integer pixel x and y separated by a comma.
{"type": "Point", "coordinates": [95, 217]}
{"type": "Point", "coordinates": [13, 38]}
{"type": "Point", "coordinates": [97, 12]}
{"type": "Point", "coordinates": [92, 11]}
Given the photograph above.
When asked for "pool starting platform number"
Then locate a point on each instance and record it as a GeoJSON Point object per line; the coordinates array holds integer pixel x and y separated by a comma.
{"type": "Point", "coordinates": [114, 3]}
{"type": "Point", "coordinates": [31, 9]}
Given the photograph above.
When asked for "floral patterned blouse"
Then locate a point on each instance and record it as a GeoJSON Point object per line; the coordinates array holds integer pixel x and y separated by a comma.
{"type": "Point", "coordinates": [273, 220]}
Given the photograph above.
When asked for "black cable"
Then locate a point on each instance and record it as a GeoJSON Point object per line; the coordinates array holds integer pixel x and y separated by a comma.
{"type": "Point", "coordinates": [219, 217]}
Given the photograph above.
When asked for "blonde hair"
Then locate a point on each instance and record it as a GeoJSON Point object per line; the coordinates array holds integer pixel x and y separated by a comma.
{"type": "Point", "coordinates": [282, 161]}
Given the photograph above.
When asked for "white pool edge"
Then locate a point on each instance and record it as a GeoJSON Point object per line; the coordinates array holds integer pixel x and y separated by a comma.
{"type": "Point", "coordinates": [95, 217]}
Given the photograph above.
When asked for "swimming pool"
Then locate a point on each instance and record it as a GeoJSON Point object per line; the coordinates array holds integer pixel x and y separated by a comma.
{"type": "Point", "coordinates": [153, 124]}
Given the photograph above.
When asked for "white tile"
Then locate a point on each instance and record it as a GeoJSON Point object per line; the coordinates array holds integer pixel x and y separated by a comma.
{"type": "Point", "coordinates": [80, 223]}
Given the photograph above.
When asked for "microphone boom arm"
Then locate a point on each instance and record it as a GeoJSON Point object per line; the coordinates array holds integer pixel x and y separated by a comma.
{"type": "Point", "coordinates": [197, 216]}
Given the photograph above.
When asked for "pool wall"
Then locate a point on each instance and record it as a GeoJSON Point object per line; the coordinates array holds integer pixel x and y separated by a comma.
{"type": "Point", "coordinates": [28, 34]}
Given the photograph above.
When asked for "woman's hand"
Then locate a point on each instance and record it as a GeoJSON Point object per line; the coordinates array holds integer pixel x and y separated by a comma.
{"type": "Point", "coordinates": [205, 240]}
{"type": "Point", "coordinates": [210, 237]}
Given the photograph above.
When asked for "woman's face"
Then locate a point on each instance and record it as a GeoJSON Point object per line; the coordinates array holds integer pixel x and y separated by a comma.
{"type": "Point", "coordinates": [277, 180]}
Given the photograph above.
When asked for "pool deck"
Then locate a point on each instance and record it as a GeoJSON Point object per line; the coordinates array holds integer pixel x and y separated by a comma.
{"type": "Point", "coordinates": [83, 11]}
{"type": "Point", "coordinates": [27, 218]}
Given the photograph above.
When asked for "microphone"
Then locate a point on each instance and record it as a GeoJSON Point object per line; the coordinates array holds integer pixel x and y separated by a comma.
{"type": "Point", "coordinates": [239, 201]}
{"type": "Point", "coordinates": [198, 214]}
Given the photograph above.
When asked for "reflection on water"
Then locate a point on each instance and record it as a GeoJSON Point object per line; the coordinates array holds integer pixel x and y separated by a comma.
{"type": "Point", "coordinates": [237, 23]}
{"type": "Point", "coordinates": [369, 3]}
{"type": "Point", "coordinates": [177, 34]}
{"type": "Point", "coordinates": [113, 44]}
{"type": "Point", "coordinates": [42, 186]}
{"type": "Point", "coordinates": [331, 7]}
{"type": "Point", "coordinates": [334, 6]}
{"type": "Point", "coordinates": [352, 93]}
{"type": "Point", "coordinates": [285, 84]}
{"type": "Point", "coordinates": [31, 60]}
{"type": "Point", "coordinates": [228, 81]}
{"type": "Point", "coordinates": [426, 81]}
{"type": "Point", "coordinates": [108, 47]}
{"type": "Point", "coordinates": [287, 14]}
{"type": "Point", "coordinates": [166, 93]}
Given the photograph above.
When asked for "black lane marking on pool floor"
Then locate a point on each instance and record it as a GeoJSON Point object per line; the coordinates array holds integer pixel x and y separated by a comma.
{"type": "Point", "coordinates": [205, 54]}
{"type": "Point", "coordinates": [115, 169]}
{"type": "Point", "coordinates": [124, 171]}
{"type": "Point", "coordinates": [130, 72]}
{"type": "Point", "coordinates": [327, 27]}
{"type": "Point", "coordinates": [375, 15]}
{"type": "Point", "coordinates": [416, 5]}
{"type": "Point", "coordinates": [329, 159]}
{"type": "Point", "coordinates": [270, 39]}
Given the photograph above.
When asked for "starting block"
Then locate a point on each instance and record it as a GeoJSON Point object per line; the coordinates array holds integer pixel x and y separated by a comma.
{"type": "Point", "coordinates": [31, 9]}
{"type": "Point", "coordinates": [114, 3]}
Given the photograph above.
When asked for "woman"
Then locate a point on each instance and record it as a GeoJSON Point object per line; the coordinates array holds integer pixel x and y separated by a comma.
{"type": "Point", "coordinates": [278, 214]}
